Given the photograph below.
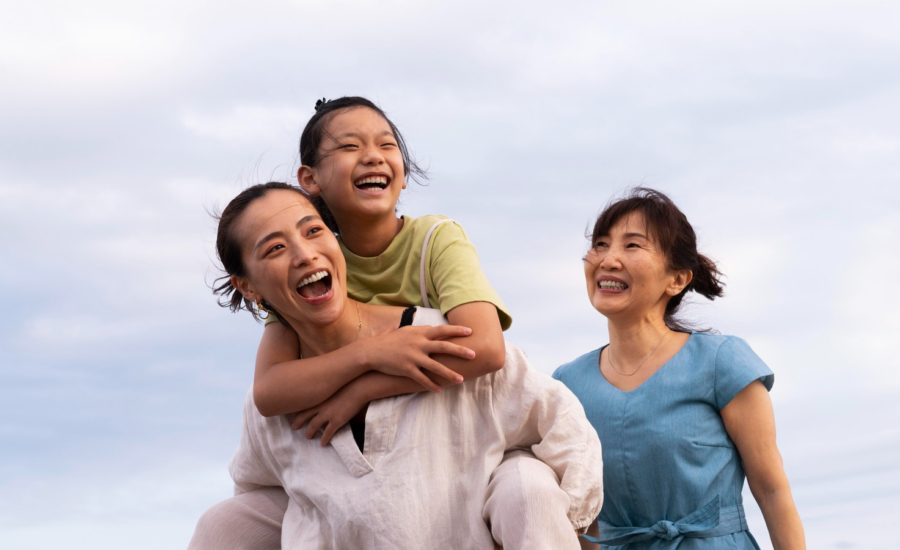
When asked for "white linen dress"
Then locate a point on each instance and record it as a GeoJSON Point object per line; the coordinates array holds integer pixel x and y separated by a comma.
{"type": "Point", "coordinates": [422, 479]}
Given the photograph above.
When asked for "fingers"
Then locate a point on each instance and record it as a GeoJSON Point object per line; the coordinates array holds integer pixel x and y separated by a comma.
{"type": "Point", "coordinates": [315, 425]}
{"type": "Point", "coordinates": [426, 382]}
{"type": "Point", "coordinates": [448, 331]}
{"type": "Point", "coordinates": [442, 371]}
{"type": "Point", "coordinates": [448, 348]}
{"type": "Point", "coordinates": [329, 432]}
{"type": "Point", "coordinates": [302, 417]}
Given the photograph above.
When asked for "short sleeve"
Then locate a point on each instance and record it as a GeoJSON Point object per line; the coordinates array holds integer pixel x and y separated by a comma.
{"type": "Point", "coordinates": [736, 367]}
{"type": "Point", "coordinates": [456, 274]}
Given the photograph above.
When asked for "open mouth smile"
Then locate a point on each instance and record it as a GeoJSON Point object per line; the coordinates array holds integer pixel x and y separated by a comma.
{"type": "Point", "coordinates": [316, 287]}
{"type": "Point", "coordinates": [372, 182]}
{"type": "Point", "coordinates": [611, 284]}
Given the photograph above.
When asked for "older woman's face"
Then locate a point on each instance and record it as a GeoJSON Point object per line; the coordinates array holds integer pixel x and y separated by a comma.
{"type": "Point", "coordinates": [627, 274]}
{"type": "Point", "coordinates": [292, 260]}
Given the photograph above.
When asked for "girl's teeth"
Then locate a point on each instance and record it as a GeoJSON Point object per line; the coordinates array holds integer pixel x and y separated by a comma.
{"type": "Point", "coordinates": [313, 278]}
{"type": "Point", "coordinates": [376, 180]}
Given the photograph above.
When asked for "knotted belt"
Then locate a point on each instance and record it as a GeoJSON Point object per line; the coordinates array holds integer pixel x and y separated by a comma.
{"type": "Point", "coordinates": [710, 520]}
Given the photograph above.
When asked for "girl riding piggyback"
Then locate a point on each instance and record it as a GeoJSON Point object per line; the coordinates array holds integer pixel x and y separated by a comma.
{"type": "Point", "coordinates": [355, 165]}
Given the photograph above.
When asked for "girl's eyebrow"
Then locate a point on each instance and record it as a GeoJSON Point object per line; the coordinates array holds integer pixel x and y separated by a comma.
{"type": "Point", "coordinates": [641, 235]}
{"type": "Point", "coordinates": [357, 136]}
{"type": "Point", "coordinates": [276, 234]}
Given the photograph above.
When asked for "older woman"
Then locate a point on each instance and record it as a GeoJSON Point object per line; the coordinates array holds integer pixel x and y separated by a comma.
{"type": "Point", "coordinates": [408, 472]}
{"type": "Point", "coordinates": [682, 415]}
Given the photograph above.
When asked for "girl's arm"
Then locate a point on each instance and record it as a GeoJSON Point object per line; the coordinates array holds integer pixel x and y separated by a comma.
{"type": "Point", "coordinates": [486, 340]}
{"type": "Point", "coordinates": [750, 422]}
{"type": "Point", "coordinates": [284, 384]}
{"type": "Point", "coordinates": [490, 354]}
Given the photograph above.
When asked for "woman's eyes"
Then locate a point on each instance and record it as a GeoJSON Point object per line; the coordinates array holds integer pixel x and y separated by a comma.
{"type": "Point", "coordinates": [314, 230]}
{"type": "Point", "coordinates": [274, 248]}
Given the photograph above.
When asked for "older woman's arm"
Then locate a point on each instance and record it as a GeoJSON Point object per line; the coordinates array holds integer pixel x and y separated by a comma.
{"type": "Point", "coordinates": [750, 422]}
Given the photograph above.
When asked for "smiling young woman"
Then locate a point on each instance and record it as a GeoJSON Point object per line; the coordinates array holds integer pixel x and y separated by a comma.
{"type": "Point", "coordinates": [413, 467]}
{"type": "Point", "coordinates": [682, 415]}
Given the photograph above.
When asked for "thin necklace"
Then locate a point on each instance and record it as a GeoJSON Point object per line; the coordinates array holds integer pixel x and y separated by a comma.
{"type": "Point", "coordinates": [632, 373]}
{"type": "Point", "coordinates": [358, 327]}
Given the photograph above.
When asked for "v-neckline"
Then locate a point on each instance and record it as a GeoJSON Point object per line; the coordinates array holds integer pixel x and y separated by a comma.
{"type": "Point", "coordinates": [651, 377]}
{"type": "Point", "coordinates": [381, 425]}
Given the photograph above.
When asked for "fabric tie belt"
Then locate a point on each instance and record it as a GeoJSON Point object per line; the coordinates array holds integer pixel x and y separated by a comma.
{"type": "Point", "coordinates": [710, 520]}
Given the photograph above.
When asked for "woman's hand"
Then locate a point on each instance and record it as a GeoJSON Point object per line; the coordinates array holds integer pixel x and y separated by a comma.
{"type": "Point", "coordinates": [332, 414]}
{"type": "Point", "coordinates": [407, 350]}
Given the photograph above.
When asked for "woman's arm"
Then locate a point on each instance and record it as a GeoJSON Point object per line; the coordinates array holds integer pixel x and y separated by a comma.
{"type": "Point", "coordinates": [750, 422]}
{"type": "Point", "coordinates": [490, 354]}
{"type": "Point", "coordinates": [284, 384]}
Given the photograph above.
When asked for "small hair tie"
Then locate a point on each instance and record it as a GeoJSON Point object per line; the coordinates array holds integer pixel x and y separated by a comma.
{"type": "Point", "coordinates": [321, 103]}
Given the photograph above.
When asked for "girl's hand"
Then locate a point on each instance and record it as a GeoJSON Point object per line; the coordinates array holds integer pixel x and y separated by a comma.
{"type": "Point", "coordinates": [331, 414]}
{"type": "Point", "coordinates": [406, 351]}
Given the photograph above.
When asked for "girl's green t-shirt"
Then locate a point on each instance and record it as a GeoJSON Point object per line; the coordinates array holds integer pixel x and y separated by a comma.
{"type": "Point", "coordinates": [453, 273]}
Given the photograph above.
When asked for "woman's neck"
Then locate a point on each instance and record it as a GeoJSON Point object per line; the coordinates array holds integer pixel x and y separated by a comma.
{"type": "Point", "coordinates": [370, 237]}
{"type": "Point", "coordinates": [357, 321]}
{"type": "Point", "coordinates": [633, 340]}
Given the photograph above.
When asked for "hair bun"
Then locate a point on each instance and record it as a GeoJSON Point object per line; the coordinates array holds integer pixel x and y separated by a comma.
{"type": "Point", "coordinates": [321, 103]}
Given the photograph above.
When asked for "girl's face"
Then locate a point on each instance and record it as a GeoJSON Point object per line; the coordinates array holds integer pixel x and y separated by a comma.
{"type": "Point", "coordinates": [360, 173]}
{"type": "Point", "coordinates": [627, 274]}
{"type": "Point", "coordinates": [292, 260]}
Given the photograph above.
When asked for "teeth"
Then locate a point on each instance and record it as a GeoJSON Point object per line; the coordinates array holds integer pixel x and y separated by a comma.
{"type": "Point", "coordinates": [313, 278]}
{"type": "Point", "coordinates": [380, 180]}
{"type": "Point", "coordinates": [613, 285]}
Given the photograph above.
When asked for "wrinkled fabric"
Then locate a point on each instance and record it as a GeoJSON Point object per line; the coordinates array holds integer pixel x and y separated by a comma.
{"type": "Point", "coordinates": [422, 481]}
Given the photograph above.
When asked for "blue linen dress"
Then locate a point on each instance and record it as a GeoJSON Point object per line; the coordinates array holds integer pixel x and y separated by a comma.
{"type": "Point", "coordinates": [672, 477]}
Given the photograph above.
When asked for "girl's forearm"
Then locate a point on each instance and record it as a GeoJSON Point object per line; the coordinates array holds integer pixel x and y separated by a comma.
{"type": "Point", "coordinates": [377, 385]}
{"type": "Point", "coordinates": [782, 519]}
{"type": "Point", "coordinates": [486, 340]}
{"type": "Point", "coordinates": [292, 386]}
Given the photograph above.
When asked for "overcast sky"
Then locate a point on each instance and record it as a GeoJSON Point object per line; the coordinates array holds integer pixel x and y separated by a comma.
{"type": "Point", "coordinates": [774, 125]}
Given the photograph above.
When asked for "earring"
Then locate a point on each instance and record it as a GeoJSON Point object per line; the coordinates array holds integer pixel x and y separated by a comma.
{"type": "Point", "coordinates": [260, 308]}
{"type": "Point", "coordinates": [672, 291]}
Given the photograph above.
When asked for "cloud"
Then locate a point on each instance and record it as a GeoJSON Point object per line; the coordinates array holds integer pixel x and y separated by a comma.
{"type": "Point", "coordinates": [772, 124]}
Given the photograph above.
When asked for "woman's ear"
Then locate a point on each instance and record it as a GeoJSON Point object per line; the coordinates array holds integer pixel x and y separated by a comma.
{"type": "Point", "coordinates": [306, 177]}
{"type": "Point", "coordinates": [682, 279]}
{"type": "Point", "coordinates": [245, 288]}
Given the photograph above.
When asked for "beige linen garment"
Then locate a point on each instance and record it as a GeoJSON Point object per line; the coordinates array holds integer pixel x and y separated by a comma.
{"type": "Point", "coordinates": [422, 480]}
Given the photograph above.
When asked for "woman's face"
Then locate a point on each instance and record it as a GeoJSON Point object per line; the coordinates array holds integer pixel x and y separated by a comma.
{"type": "Point", "coordinates": [292, 260]}
{"type": "Point", "coordinates": [360, 173]}
{"type": "Point", "coordinates": [627, 274]}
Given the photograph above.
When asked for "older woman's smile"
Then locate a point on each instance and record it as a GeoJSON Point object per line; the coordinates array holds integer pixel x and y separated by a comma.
{"type": "Point", "coordinates": [611, 285]}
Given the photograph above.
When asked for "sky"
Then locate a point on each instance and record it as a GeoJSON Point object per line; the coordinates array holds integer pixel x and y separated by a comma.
{"type": "Point", "coordinates": [775, 126]}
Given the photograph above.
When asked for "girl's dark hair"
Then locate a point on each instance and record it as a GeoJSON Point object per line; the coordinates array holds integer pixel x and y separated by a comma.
{"type": "Point", "coordinates": [315, 132]}
{"type": "Point", "coordinates": [675, 237]}
{"type": "Point", "coordinates": [228, 246]}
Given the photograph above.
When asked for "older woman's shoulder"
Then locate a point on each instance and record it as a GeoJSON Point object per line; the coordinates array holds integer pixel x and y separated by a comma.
{"type": "Point", "coordinates": [719, 343]}
{"type": "Point", "coordinates": [581, 365]}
